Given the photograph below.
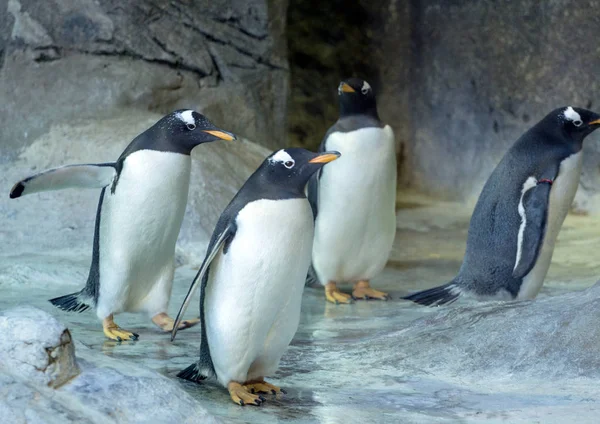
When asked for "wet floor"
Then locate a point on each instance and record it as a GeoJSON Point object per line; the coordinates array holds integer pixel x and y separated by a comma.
{"type": "Point", "coordinates": [326, 377]}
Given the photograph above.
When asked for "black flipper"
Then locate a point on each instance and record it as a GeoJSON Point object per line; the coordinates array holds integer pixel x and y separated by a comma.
{"type": "Point", "coordinates": [74, 302]}
{"type": "Point", "coordinates": [204, 367]}
{"type": "Point", "coordinates": [437, 296]}
{"type": "Point", "coordinates": [534, 218]}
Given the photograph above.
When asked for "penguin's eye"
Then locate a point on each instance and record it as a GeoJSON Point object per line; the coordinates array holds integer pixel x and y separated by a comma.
{"type": "Point", "coordinates": [577, 123]}
{"type": "Point", "coordinates": [191, 126]}
{"type": "Point", "coordinates": [289, 164]}
{"type": "Point", "coordinates": [364, 90]}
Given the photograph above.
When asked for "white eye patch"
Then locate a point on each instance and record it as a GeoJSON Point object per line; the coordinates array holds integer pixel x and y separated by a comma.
{"type": "Point", "coordinates": [281, 156]}
{"type": "Point", "coordinates": [187, 117]}
{"type": "Point", "coordinates": [365, 87]}
{"type": "Point", "coordinates": [570, 114]}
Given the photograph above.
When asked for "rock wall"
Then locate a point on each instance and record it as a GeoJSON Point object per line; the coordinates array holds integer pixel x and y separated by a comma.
{"type": "Point", "coordinates": [83, 59]}
{"type": "Point", "coordinates": [482, 73]}
{"type": "Point", "coordinates": [459, 81]}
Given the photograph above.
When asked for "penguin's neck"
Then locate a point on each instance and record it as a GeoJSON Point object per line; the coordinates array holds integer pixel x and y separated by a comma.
{"type": "Point", "coordinates": [348, 110]}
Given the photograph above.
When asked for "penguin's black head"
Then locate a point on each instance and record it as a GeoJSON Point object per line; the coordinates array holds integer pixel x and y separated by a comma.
{"type": "Point", "coordinates": [575, 123]}
{"type": "Point", "coordinates": [293, 167]}
{"type": "Point", "coordinates": [357, 98]}
{"type": "Point", "coordinates": [188, 128]}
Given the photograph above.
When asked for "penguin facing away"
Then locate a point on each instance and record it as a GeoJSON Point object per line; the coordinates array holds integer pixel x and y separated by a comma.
{"type": "Point", "coordinates": [253, 276]}
{"type": "Point", "coordinates": [354, 199]}
{"type": "Point", "coordinates": [520, 211]}
{"type": "Point", "coordinates": [140, 211]}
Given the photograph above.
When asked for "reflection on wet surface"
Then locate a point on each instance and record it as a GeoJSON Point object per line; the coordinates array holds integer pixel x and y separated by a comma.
{"type": "Point", "coordinates": [326, 378]}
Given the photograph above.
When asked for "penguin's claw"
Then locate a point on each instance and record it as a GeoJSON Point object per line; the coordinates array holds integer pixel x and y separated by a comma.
{"type": "Point", "coordinates": [166, 323]}
{"type": "Point", "coordinates": [362, 290]}
{"type": "Point", "coordinates": [261, 386]}
{"type": "Point", "coordinates": [118, 334]}
{"type": "Point", "coordinates": [240, 395]}
{"type": "Point", "coordinates": [334, 295]}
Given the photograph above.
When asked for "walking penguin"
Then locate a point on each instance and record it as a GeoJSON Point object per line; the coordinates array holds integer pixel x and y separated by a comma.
{"type": "Point", "coordinates": [252, 278]}
{"type": "Point", "coordinates": [142, 203]}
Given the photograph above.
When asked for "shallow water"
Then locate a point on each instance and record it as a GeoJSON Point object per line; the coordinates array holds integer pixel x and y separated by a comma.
{"type": "Point", "coordinates": [326, 375]}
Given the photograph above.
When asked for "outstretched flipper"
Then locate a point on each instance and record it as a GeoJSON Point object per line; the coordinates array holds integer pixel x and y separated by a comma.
{"type": "Point", "coordinates": [71, 176]}
{"type": "Point", "coordinates": [533, 209]}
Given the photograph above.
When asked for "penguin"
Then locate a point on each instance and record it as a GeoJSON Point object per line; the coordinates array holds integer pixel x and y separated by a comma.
{"type": "Point", "coordinates": [354, 199]}
{"type": "Point", "coordinates": [253, 276]}
{"type": "Point", "coordinates": [519, 213]}
{"type": "Point", "coordinates": [142, 202]}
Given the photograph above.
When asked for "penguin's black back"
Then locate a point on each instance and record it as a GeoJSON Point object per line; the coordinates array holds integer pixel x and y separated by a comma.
{"type": "Point", "coordinates": [493, 231]}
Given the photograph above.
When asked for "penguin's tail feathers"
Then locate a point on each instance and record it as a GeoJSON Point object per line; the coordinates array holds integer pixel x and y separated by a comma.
{"type": "Point", "coordinates": [194, 373]}
{"type": "Point", "coordinates": [436, 296]}
{"type": "Point", "coordinates": [311, 277]}
{"type": "Point", "coordinates": [74, 302]}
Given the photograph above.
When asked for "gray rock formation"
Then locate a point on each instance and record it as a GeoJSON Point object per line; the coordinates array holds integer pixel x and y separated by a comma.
{"type": "Point", "coordinates": [551, 339]}
{"type": "Point", "coordinates": [37, 358]}
{"type": "Point", "coordinates": [482, 73]}
{"type": "Point", "coordinates": [36, 348]}
{"type": "Point", "coordinates": [64, 59]}
{"type": "Point", "coordinates": [458, 81]}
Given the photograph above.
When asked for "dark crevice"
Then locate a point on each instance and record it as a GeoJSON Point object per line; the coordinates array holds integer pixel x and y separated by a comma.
{"type": "Point", "coordinates": [234, 23]}
{"type": "Point", "coordinates": [163, 47]}
{"type": "Point", "coordinates": [123, 53]}
{"type": "Point", "coordinates": [321, 52]}
{"type": "Point", "coordinates": [215, 63]}
{"type": "Point", "coordinates": [212, 38]}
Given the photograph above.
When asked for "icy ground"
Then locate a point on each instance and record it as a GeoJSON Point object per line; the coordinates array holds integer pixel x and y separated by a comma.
{"type": "Point", "coordinates": [386, 362]}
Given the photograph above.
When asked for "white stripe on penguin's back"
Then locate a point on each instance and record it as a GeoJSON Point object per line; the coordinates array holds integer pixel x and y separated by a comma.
{"type": "Point", "coordinates": [527, 185]}
{"type": "Point", "coordinates": [562, 193]}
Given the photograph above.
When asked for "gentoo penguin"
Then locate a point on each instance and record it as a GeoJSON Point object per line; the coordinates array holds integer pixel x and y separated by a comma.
{"type": "Point", "coordinates": [253, 276]}
{"type": "Point", "coordinates": [142, 202]}
{"type": "Point", "coordinates": [354, 199]}
{"type": "Point", "coordinates": [520, 211]}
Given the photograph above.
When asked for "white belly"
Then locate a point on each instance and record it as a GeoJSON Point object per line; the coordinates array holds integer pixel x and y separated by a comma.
{"type": "Point", "coordinates": [254, 291]}
{"type": "Point", "coordinates": [561, 196]}
{"type": "Point", "coordinates": [139, 226]}
{"type": "Point", "coordinates": [356, 221]}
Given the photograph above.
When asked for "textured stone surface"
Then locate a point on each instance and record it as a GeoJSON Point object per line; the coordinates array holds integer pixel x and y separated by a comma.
{"type": "Point", "coordinates": [218, 171]}
{"type": "Point", "coordinates": [482, 73]}
{"type": "Point", "coordinates": [65, 59]}
{"type": "Point", "coordinates": [106, 391]}
{"type": "Point", "coordinates": [459, 81]}
{"type": "Point", "coordinates": [552, 338]}
{"type": "Point", "coordinates": [36, 347]}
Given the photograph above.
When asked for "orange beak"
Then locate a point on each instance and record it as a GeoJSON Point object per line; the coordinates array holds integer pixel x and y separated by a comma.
{"type": "Point", "coordinates": [221, 134]}
{"type": "Point", "coordinates": [325, 157]}
{"type": "Point", "coordinates": [596, 122]}
{"type": "Point", "coordinates": [347, 89]}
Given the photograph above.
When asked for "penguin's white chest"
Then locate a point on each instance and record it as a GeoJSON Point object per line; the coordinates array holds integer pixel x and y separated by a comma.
{"type": "Point", "coordinates": [562, 194]}
{"type": "Point", "coordinates": [356, 221]}
{"type": "Point", "coordinates": [254, 291]}
{"type": "Point", "coordinates": [139, 226]}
